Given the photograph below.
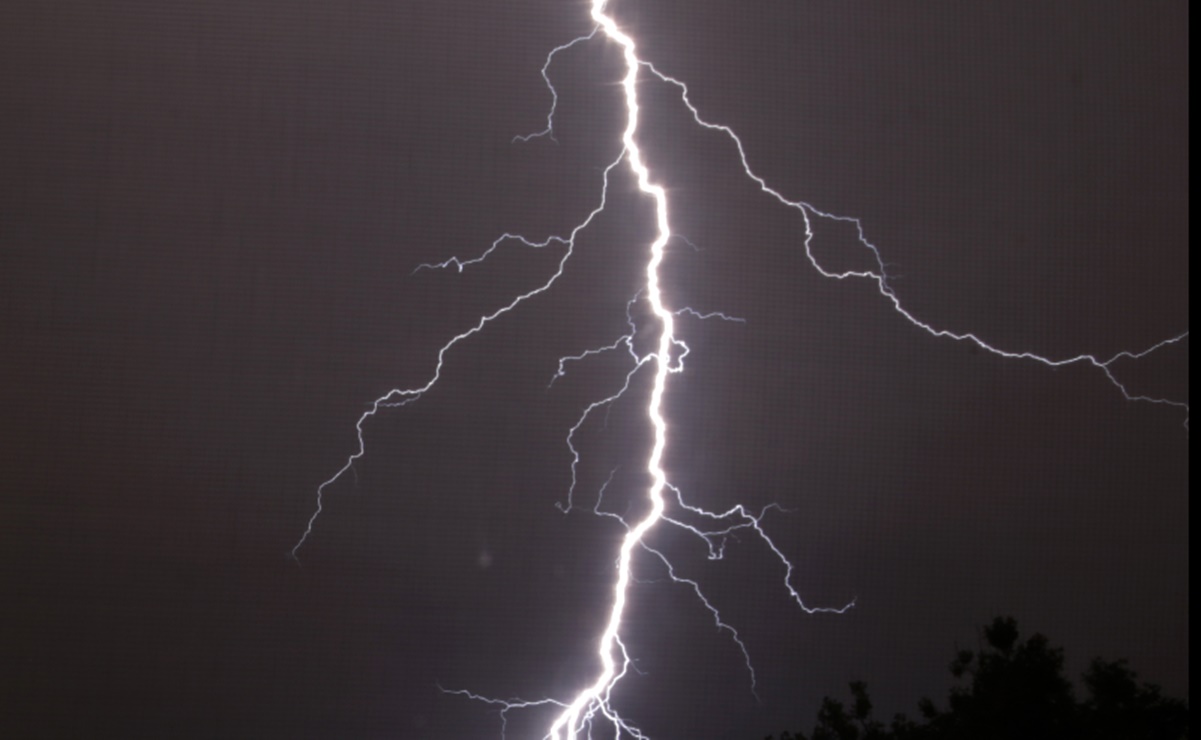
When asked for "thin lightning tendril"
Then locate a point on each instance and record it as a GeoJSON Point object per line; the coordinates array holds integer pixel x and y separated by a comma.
{"type": "Point", "coordinates": [402, 396]}
{"type": "Point", "coordinates": [809, 212]}
{"type": "Point", "coordinates": [592, 706]}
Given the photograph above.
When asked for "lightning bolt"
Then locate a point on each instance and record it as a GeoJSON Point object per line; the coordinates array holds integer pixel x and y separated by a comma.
{"type": "Point", "coordinates": [592, 706]}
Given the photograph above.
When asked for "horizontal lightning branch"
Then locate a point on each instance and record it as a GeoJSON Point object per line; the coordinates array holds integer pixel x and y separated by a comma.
{"type": "Point", "coordinates": [879, 277]}
{"type": "Point", "coordinates": [505, 705]}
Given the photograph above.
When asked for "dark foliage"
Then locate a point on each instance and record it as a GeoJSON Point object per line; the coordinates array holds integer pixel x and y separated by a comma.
{"type": "Point", "coordinates": [1010, 690]}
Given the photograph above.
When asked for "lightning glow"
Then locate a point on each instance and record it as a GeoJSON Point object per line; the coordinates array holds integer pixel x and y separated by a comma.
{"type": "Point", "coordinates": [592, 707]}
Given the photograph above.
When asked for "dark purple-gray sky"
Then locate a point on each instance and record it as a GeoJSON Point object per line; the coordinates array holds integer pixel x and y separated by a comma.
{"type": "Point", "coordinates": [211, 213]}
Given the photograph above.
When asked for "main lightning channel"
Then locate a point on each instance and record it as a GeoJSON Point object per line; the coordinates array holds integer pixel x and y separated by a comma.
{"type": "Point", "coordinates": [579, 713]}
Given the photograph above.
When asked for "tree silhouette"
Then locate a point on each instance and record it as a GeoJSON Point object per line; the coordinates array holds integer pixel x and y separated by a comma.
{"type": "Point", "coordinates": [1120, 707]}
{"type": "Point", "coordinates": [1012, 689]}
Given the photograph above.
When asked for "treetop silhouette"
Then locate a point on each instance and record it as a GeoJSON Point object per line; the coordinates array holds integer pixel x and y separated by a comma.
{"type": "Point", "coordinates": [1012, 689]}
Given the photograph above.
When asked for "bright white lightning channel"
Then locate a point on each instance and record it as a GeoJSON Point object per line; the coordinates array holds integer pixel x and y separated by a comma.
{"type": "Point", "coordinates": [592, 707]}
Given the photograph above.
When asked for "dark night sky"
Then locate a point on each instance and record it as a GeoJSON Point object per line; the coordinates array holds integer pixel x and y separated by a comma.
{"type": "Point", "coordinates": [210, 216]}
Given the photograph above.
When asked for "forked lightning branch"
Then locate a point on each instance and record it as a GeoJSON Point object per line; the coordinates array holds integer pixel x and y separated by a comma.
{"type": "Point", "coordinates": [592, 710]}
